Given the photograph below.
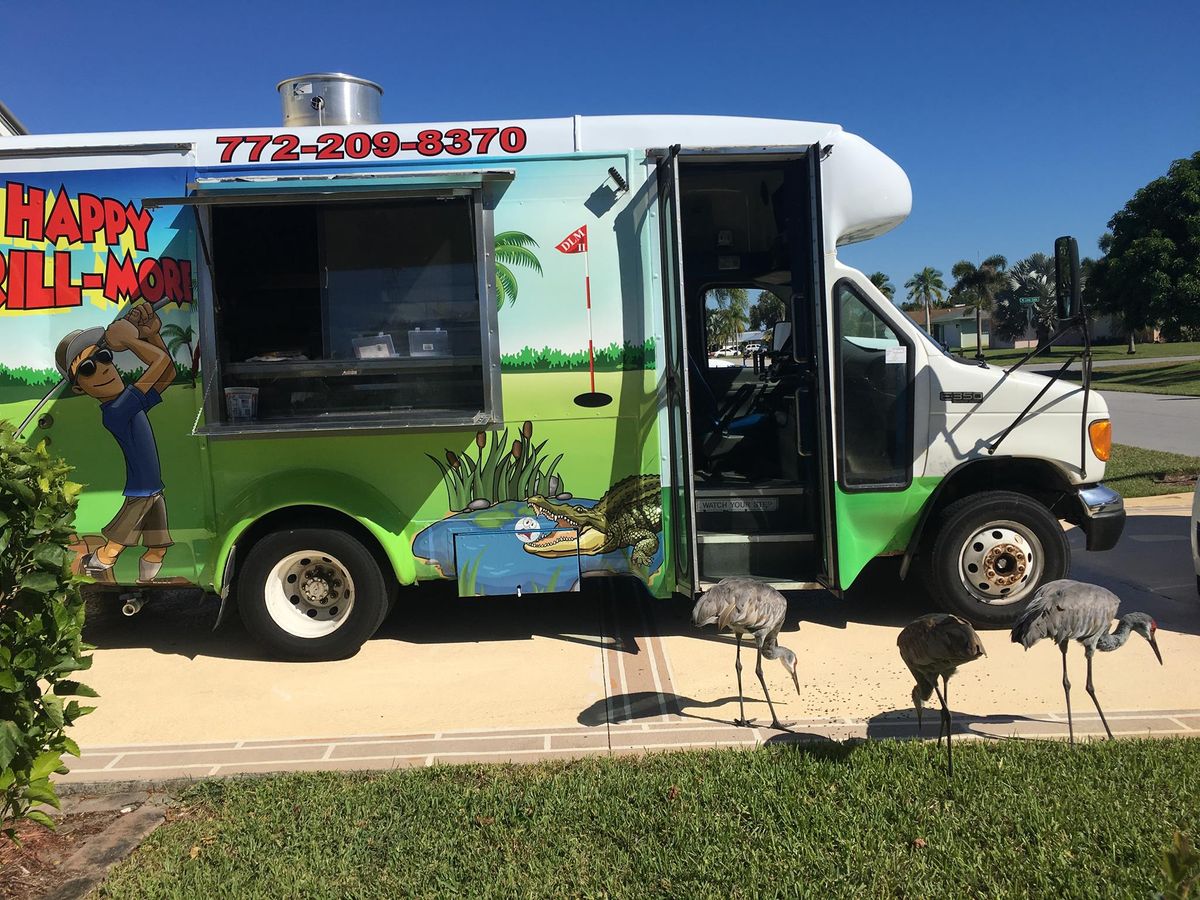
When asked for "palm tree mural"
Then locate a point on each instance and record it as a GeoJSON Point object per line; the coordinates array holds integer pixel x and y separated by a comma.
{"type": "Point", "coordinates": [881, 281]}
{"type": "Point", "coordinates": [978, 286]}
{"type": "Point", "coordinates": [177, 336]}
{"type": "Point", "coordinates": [927, 287]}
{"type": "Point", "coordinates": [512, 250]}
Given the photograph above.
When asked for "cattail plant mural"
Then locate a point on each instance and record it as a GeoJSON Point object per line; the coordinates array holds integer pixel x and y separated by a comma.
{"type": "Point", "coordinates": [499, 470]}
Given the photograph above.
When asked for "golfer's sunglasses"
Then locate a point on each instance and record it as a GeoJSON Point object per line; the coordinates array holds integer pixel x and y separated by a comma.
{"type": "Point", "coordinates": [87, 368]}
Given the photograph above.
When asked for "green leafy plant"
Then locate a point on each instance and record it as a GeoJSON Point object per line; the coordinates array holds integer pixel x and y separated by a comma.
{"type": "Point", "coordinates": [499, 470]}
{"type": "Point", "coordinates": [1180, 866]}
{"type": "Point", "coordinates": [41, 626]}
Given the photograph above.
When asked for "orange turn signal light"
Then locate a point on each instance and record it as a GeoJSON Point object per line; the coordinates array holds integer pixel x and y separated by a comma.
{"type": "Point", "coordinates": [1100, 434]}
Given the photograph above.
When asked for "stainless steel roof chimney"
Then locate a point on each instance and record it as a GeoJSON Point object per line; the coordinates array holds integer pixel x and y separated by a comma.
{"type": "Point", "coordinates": [329, 98]}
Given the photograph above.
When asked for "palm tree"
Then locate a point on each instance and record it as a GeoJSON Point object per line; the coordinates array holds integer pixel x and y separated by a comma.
{"type": "Point", "coordinates": [1034, 277]}
{"type": "Point", "coordinates": [881, 281]}
{"type": "Point", "coordinates": [731, 314]}
{"type": "Point", "coordinates": [927, 287]}
{"type": "Point", "coordinates": [978, 286]}
{"type": "Point", "coordinates": [512, 249]}
{"type": "Point", "coordinates": [177, 336]}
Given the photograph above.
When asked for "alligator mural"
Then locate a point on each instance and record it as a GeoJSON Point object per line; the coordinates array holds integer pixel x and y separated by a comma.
{"type": "Point", "coordinates": [628, 515]}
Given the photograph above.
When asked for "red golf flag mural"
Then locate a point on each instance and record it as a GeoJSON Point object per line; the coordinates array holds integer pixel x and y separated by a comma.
{"type": "Point", "coordinates": [576, 242]}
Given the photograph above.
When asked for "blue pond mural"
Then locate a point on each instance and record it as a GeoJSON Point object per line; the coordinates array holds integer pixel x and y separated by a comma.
{"type": "Point", "coordinates": [485, 550]}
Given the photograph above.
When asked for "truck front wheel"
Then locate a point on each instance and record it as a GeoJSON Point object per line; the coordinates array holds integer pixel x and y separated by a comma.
{"type": "Point", "coordinates": [311, 593]}
{"type": "Point", "coordinates": [990, 553]}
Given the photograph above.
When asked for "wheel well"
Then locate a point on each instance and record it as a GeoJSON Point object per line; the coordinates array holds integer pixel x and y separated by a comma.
{"type": "Point", "coordinates": [1036, 478]}
{"type": "Point", "coordinates": [306, 517]}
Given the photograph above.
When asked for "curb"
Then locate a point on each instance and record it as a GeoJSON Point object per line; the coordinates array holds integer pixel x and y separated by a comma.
{"type": "Point", "coordinates": [89, 865]}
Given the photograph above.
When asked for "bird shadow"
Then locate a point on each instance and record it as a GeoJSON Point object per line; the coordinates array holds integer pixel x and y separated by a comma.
{"type": "Point", "coordinates": [619, 709]}
{"type": "Point", "coordinates": [901, 724]}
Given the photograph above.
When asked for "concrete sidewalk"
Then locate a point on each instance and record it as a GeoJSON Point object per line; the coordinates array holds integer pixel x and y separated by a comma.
{"type": "Point", "coordinates": [608, 671]}
{"type": "Point", "coordinates": [148, 762]}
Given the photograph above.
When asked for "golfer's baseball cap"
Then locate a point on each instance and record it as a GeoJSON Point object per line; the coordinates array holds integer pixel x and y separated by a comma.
{"type": "Point", "coordinates": [72, 345]}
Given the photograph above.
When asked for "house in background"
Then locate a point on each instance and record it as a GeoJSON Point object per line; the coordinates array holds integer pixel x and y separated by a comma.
{"type": "Point", "coordinates": [955, 328]}
{"type": "Point", "coordinates": [9, 124]}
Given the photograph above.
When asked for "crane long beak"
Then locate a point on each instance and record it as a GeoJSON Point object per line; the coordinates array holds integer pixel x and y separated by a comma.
{"type": "Point", "coordinates": [796, 680]}
{"type": "Point", "coordinates": [1154, 647]}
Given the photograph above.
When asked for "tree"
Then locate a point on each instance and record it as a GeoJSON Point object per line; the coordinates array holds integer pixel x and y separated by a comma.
{"type": "Point", "coordinates": [512, 249]}
{"type": "Point", "coordinates": [1150, 272]}
{"type": "Point", "coordinates": [881, 281]}
{"type": "Point", "coordinates": [977, 287]}
{"type": "Point", "coordinates": [767, 310]}
{"type": "Point", "coordinates": [731, 313]}
{"type": "Point", "coordinates": [178, 336]}
{"type": "Point", "coordinates": [1029, 277]}
{"type": "Point", "coordinates": [926, 287]}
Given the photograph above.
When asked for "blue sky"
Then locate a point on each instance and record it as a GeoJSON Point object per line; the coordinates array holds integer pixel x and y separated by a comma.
{"type": "Point", "coordinates": [1016, 122]}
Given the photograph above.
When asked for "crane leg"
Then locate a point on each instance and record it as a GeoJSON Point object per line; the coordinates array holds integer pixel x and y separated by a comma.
{"type": "Point", "coordinates": [1067, 692]}
{"type": "Point", "coordinates": [741, 721]}
{"type": "Point", "coordinates": [775, 723]}
{"type": "Point", "coordinates": [1092, 692]}
{"type": "Point", "coordinates": [947, 724]}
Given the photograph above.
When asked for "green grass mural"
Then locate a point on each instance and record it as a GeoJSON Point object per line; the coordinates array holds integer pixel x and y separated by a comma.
{"type": "Point", "coordinates": [24, 376]}
{"type": "Point", "coordinates": [613, 358]}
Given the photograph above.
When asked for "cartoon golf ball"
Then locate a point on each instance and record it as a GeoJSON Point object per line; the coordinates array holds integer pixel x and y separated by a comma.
{"type": "Point", "coordinates": [527, 529]}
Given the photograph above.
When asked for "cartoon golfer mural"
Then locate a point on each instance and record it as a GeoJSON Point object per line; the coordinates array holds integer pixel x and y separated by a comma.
{"type": "Point", "coordinates": [85, 359]}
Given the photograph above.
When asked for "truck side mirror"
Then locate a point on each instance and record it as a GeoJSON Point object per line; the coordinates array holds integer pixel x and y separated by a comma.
{"type": "Point", "coordinates": [1066, 277]}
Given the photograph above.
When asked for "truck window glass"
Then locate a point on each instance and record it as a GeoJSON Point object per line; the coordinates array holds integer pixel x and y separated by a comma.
{"type": "Point", "coordinates": [873, 372]}
{"type": "Point", "coordinates": [351, 310]}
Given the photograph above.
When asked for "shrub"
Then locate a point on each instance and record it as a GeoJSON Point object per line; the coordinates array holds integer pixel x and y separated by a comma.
{"type": "Point", "coordinates": [41, 626]}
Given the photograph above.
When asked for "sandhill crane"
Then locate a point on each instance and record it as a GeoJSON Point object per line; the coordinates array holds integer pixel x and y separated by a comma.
{"type": "Point", "coordinates": [933, 647]}
{"type": "Point", "coordinates": [745, 606]}
{"type": "Point", "coordinates": [1066, 611]}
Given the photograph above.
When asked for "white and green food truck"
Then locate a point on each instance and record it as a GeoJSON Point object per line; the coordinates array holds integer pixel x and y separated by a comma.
{"type": "Point", "coordinates": [304, 366]}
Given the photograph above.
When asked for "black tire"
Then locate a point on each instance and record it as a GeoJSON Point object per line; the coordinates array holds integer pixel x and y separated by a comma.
{"type": "Point", "coordinates": [947, 554]}
{"type": "Point", "coordinates": [326, 557]}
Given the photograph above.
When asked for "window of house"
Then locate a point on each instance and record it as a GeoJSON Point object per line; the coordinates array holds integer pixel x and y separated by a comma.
{"type": "Point", "coordinates": [366, 312]}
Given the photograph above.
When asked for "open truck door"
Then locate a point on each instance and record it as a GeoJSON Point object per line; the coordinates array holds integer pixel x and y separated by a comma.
{"type": "Point", "coordinates": [680, 507]}
{"type": "Point", "coordinates": [751, 443]}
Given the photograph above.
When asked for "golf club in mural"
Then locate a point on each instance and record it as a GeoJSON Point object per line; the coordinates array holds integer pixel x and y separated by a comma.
{"type": "Point", "coordinates": [53, 392]}
{"type": "Point", "coordinates": [577, 242]}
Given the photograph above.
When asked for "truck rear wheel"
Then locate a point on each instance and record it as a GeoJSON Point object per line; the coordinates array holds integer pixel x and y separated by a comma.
{"type": "Point", "coordinates": [991, 552]}
{"type": "Point", "coordinates": [311, 593]}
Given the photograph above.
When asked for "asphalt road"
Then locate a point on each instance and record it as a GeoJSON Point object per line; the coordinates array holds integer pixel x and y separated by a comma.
{"type": "Point", "coordinates": [1155, 421]}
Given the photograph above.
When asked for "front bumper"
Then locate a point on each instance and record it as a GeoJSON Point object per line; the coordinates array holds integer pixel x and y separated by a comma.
{"type": "Point", "coordinates": [1103, 517]}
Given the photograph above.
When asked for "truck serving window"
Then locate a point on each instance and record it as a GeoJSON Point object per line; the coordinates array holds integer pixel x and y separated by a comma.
{"type": "Point", "coordinates": [361, 313]}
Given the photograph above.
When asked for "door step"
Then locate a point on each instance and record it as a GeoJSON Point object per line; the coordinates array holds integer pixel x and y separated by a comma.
{"type": "Point", "coordinates": [753, 510]}
{"type": "Point", "coordinates": [756, 555]}
{"type": "Point", "coordinates": [780, 584]}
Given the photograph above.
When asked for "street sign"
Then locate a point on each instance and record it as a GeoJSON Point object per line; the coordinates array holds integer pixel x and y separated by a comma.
{"type": "Point", "coordinates": [1028, 301]}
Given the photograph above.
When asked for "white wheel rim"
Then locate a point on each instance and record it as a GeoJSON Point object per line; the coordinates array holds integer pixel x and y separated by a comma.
{"type": "Point", "coordinates": [309, 594]}
{"type": "Point", "coordinates": [1001, 563]}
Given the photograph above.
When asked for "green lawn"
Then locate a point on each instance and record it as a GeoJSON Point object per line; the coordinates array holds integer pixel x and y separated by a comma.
{"type": "Point", "coordinates": [1106, 351]}
{"type": "Point", "coordinates": [1162, 378]}
{"type": "Point", "coordinates": [1134, 472]}
{"type": "Point", "coordinates": [1022, 819]}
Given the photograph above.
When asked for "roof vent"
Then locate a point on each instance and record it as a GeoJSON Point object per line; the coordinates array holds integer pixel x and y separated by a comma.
{"type": "Point", "coordinates": [329, 98]}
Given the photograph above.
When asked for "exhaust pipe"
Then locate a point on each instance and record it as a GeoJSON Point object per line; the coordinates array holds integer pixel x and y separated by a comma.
{"type": "Point", "coordinates": [133, 605]}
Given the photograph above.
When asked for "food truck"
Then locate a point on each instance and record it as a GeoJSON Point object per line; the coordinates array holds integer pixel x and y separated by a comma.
{"type": "Point", "coordinates": [305, 366]}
